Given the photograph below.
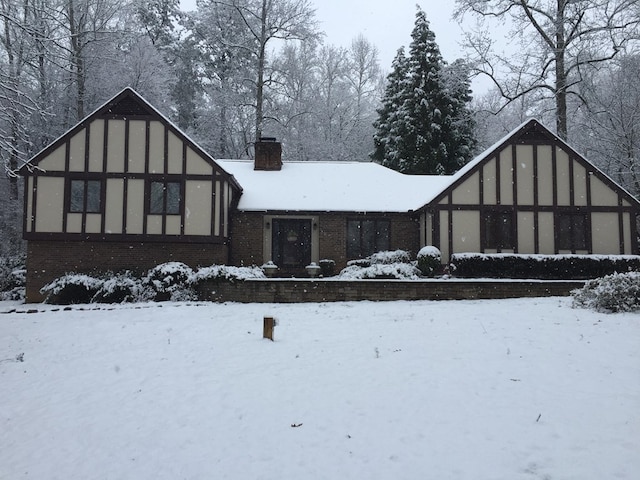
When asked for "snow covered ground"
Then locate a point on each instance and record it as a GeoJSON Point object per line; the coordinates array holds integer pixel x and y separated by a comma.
{"type": "Point", "coordinates": [494, 389]}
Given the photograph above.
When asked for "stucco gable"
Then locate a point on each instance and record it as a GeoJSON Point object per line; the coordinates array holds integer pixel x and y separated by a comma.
{"type": "Point", "coordinates": [531, 132]}
{"type": "Point", "coordinates": [126, 104]}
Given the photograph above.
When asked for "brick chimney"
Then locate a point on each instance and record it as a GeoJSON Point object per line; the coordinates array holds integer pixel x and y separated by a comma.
{"type": "Point", "coordinates": [268, 154]}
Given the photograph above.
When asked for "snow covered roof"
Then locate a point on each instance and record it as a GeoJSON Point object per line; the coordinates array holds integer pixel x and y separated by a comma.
{"type": "Point", "coordinates": [332, 186]}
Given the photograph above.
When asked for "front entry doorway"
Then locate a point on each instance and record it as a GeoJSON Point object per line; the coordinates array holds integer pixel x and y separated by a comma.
{"type": "Point", "coordinates": [291, 243]}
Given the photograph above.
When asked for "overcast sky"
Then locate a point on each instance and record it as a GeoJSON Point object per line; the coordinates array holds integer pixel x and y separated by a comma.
{"type": "Point", "coordinates": [386, 23]}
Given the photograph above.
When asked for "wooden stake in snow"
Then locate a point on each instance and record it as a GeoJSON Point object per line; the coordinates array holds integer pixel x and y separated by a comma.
{"type": "Point", "coordinates": [269, 324]}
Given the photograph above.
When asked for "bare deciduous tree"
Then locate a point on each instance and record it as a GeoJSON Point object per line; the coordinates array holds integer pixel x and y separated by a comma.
{"type": "Point", "coordinates": [610, 133]}
{"type": "Point", "coordinates": [268, 21]}
{"type": "Point", "coordinates": [555, 42]}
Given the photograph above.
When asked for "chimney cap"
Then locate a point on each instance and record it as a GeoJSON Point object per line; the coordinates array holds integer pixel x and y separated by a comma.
{"type": "Point", "coordinates": [267, 139]}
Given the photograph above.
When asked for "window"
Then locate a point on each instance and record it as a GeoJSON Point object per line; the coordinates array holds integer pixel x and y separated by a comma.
{"type": "Point", "coordinates": [571, 231]}
{"type": "Point", "coordinates": [365, 237]}
{"type": "Point", "coordinates": [164, 197]}
{"type": "Point", "coordinates": [498, 230]}
{"type": "Point", "coordinates": [85, 196]}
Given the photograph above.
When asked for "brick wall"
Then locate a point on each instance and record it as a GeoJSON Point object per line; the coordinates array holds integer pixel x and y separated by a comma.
{"type": "Point", "coordinates": [405, 234]}
{"type": "Point", "coordinates": [333, 239]}
{"type": "Point", "coordinates": [247, 236]}
{"type": "Point", "coordinates": [325, 290]}
{"type": "Point", "coordinates": [246, 239]}
{"type": "Point", "coordinates": [47, 260]}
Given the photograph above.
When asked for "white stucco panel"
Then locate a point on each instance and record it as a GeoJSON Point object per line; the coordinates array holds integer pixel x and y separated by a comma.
{"type": "Point", "coordinates": [524, 169]}
{"type": "Point", "coordinates": [49, 204]}
{"type": "Point", "coordinates": [156, 147]}
{"type": "Point", "coordinates": [77, 151]}
{"type": "Point", "coordinates": [198, 198]}
{"type": "Point", "coordinates": [465, 231]}
{"type": "Point", "coordinates": [115, 146]}
{"type": "Point", "coordinates": [137, 145]}
{"type": "Point", "coordinates": [114, 205]}
{"type": "Point", "coordinates": [196, 165]}
{"type": "Point", "coordinates": [468, 192]}
{"type": "Point", "coordinates": [601, 194]}
{"type": "Point", "coordinates": [96, 145]}
{"type": "Point", "coordinates": [54, 162]}
{"type": "Point", "coordinates": [604, 232]}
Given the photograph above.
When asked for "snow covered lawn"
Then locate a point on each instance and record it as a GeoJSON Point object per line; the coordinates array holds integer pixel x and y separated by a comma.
{"type": "Point", "coordinates": [493, 389]}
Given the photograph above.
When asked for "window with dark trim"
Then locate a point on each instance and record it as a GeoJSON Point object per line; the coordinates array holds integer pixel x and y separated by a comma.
{"type": "Point", "coordinates": [164, 197]}
{"type": "Point", "coordinates": [85, 196]}
{"type": "Point", "coordinates": [365, 237]}
{"type": "Point", "coordinates": [498, 230]}
{"type": "Point", "coordinates": [571, 231]}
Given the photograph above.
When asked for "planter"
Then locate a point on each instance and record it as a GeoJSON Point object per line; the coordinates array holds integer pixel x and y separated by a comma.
{"type": "Point", "coordinates": [313, 270]}
{"type": "Point", "coordinates": [270, 269]}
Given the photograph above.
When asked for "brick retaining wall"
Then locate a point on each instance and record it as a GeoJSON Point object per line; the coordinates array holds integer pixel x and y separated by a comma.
{"type": "Point", "coordinates": [48, 260]}
{"type": "Point", "coordinates": [300, 290]}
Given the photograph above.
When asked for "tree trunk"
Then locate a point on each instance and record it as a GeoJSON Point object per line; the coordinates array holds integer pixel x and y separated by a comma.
{"type": "Point", "coordinates": [561, 74]}
{"type": "Point", "coordinates": [77, 61]}
{"type": "Point", "coordinates": [261, 65]}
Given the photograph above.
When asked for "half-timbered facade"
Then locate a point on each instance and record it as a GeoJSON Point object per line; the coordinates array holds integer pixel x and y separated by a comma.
{"type": "Point", "coordinates": [532, 194]}
{"type": "Point", "coordinates": [124, 177]}
{"type": "Point", "coordinates": [126, 190]}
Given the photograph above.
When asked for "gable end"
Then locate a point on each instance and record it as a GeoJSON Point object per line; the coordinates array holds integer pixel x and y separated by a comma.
{"type": "Point", "coordinates": [126, 105]}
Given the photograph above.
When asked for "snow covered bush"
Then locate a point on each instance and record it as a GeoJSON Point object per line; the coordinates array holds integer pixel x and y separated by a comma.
{"type": "Point", "coordinates": [12, 277]}
{"type": "Point", "coordinates": [386, 264]}
{"type": "Point", "coordinates": [618, 292]}
{"type": "Point", "coordinates": [385, 257]}
{"type": "Point", "coordinates": [400, 271]}
{"type": "Point", "coordinates": [569, 266]}
{"type": "Point", "coordinates": [429, 260]}
{"type": "Point", "coordinates": [173, 281]}
{"type": "Point", "coordinates": [390, 257]}
{"type": "Point", "coordinates": [225, 273]}
{"type": "Point", "coordinates": [119, 288]}
{"type": "Point", "coordinates": [168, 281]}
{"type": "Point", "coordinates": [71, 288]}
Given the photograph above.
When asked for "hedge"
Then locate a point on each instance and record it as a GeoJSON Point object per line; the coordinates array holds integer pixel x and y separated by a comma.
{"type": "Point", "coordinates": [546, 267]}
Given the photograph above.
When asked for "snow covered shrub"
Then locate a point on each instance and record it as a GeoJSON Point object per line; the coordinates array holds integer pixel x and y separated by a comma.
{"type": "Point", "coordinates": [429, 260]}
{"type": "Point", "coordinates": [390, 257]}
{"type": "Point", "coordinates": [71, 288]}
{"type": "Point", "coordinates": [359, 262]}
{"type": "Point", "coordinates": [385, 257]}
{"type": "Point", "coordinates": [618, 292]}
{"type": "Point", "coordinates": [386, 264]}
{"type": "Point", "coordinates": [168, 281]}
{"type": "Point", "coordinates": [564, 267]}
{"type": "Point", "coordinates": [225, 273]}
{"type": "Point", "coordinates": [12, 277]}
{"type": "Point", "coordinates": [400, 271]}
{"type": "Point", "coordinates": [119, 288]}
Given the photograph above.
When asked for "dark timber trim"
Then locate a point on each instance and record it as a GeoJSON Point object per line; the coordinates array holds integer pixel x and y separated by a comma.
{"type": "Point", "coordinates": [536, 197]}
{"type": "Point", "coordinates": [621, 225]}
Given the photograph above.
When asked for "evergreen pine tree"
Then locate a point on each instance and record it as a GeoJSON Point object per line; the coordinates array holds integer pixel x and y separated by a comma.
{"type": "Point", "coordinates": [391, 125]}
{"type": "Point", "coordinates": [424, 124]}
{"type": "Point", "coordinates": [462, 125]}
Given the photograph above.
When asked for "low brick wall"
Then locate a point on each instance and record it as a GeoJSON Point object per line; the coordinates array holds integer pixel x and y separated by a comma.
{"type": "Point", "coordinates": [301, 290]}
{"type": "Point", "coordinates": [48, 260]}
